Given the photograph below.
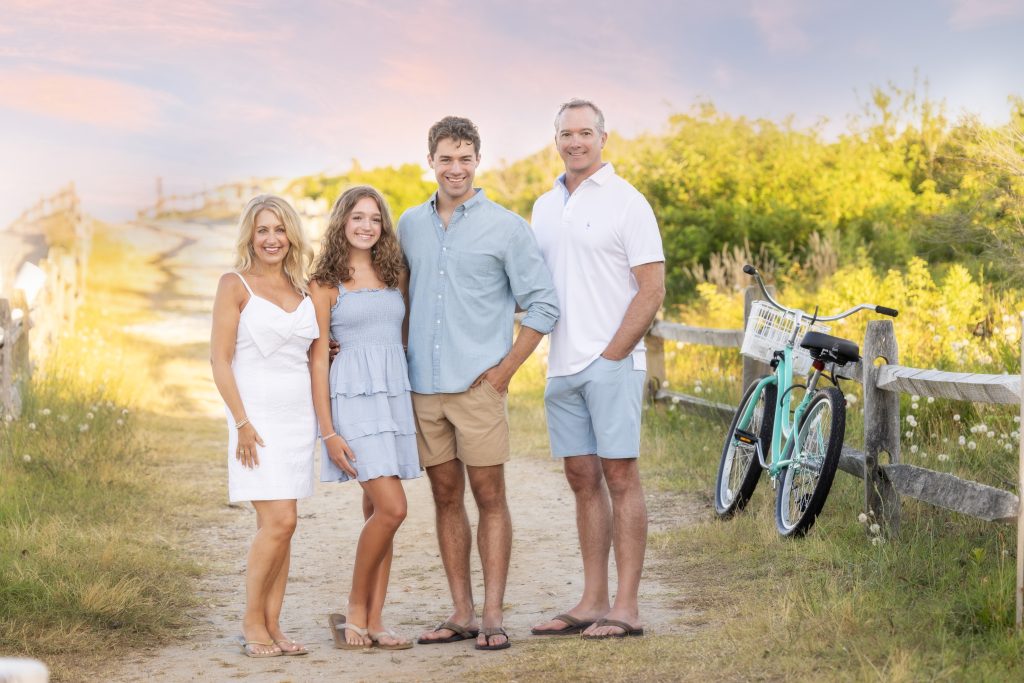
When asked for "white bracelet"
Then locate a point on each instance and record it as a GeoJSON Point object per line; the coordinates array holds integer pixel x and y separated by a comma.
{"type": "Point", "coordinates": [327, 436]}
{"type": "Point", "coordinates": [242, 423]}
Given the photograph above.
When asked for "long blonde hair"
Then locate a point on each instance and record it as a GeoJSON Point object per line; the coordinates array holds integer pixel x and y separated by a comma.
{"type": "Point", "coordinates": [300, 252]}
{"type": "Point", "coordinates": [332, 265]}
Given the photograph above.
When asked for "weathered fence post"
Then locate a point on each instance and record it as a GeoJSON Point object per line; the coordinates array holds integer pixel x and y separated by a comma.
{"type": "Point", "coordinates": [656, 373]}
{"type": "Point", "coordinates": [1020, 498]}
{"type": "Point", "coordinates": [881, 427]}
{"type": "Point", "coordinates": [752, 369]}
{"type": "Point", "coordinates": [7, 398]}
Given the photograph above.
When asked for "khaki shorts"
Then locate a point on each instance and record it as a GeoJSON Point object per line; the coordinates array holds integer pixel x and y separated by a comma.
{"type": "Point", "coordinates": [471, 426]}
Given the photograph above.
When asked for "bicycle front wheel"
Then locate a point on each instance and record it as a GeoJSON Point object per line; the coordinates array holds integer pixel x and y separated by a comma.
{"type": "Point", "coordinates": [805, 483]}
{"type": "Point", "coordinates": [739, 468]}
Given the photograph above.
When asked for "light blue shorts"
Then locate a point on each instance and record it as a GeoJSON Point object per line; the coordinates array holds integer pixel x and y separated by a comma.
{"type": "Point", "coordinates": [596, 411]}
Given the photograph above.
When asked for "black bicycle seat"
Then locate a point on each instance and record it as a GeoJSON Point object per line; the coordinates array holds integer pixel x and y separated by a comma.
{"type": "Point", "coordinates": [829, 348]}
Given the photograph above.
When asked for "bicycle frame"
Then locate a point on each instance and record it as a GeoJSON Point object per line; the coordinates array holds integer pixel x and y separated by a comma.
{"type": "Point", "coordinates": [786, 417]}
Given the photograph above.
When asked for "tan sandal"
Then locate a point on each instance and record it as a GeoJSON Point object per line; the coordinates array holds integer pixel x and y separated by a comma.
{"type": "Point", "coordinates": [338, 628]}
{"type": "Point", "coordinates": [248, 645]}
{"type": "Point", "coordinates": [297, 648]}
{"type": "Point", "coordinates": [402, 644]}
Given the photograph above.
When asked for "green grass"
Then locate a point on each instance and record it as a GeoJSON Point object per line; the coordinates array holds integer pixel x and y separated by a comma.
{"type": "Point", "coordinates": [91, 518]}
{"type": "Point", "coordinates": [933, 604]}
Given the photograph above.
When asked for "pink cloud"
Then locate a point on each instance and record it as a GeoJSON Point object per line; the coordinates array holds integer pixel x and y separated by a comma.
{"type": "Point", "coordinates": [972, 14]}
{"type": "Point", "coordinates": [82, 99]}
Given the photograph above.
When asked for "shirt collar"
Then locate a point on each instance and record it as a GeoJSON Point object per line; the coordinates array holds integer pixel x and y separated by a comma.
{"type": "Point", "coordinates": [479, 195]}
{"type": "Point", "coordinates": [600, 176]}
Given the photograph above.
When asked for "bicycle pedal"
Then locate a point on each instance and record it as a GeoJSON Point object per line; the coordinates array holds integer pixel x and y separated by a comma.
{"type": "Point", "coordinates": [745, 437]}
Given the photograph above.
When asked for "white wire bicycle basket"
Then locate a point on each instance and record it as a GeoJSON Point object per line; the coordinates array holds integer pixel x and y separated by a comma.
{"type": "Point", "coordinates": [768, 330]}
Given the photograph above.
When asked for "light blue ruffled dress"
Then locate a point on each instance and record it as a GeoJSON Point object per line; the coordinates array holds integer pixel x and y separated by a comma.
{"type": "Point", "coordinates": [369, 385]}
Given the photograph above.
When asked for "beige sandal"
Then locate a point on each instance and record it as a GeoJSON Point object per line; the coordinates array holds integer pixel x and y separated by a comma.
{"type": "Point", "coordinates": [402, 643]}
{"type": "Point", "coordinates": [297, 648]}
{"type": "Point", "coordinates": [338, 628]}
{"type": "Point", "coordinates": [248, 645]}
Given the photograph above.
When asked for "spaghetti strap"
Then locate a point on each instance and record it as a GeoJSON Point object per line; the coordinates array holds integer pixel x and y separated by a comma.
{"type": "Point", "coordinates": [247, 287]}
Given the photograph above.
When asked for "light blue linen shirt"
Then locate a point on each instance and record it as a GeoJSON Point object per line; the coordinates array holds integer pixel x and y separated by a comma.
{"type": "Point", "coordinates": [464, 285]}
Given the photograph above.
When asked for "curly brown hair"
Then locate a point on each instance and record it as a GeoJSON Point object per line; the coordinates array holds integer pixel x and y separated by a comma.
{"type": "Point", "coordinates": [331, 266]}
{"type": "Point", "coordinates": [457, 128]}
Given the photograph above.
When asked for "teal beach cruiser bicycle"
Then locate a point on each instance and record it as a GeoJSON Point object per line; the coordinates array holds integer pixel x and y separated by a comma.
{"type": "Point", "coordinates": [798, 446]}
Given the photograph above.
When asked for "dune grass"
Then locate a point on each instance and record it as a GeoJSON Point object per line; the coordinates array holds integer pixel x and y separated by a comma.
{"type": "Point", "coordinates": [91, 518]}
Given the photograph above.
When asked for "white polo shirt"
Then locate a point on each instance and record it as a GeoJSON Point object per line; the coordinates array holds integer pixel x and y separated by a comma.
{"type": "Point", "coordinates": [590, 240]}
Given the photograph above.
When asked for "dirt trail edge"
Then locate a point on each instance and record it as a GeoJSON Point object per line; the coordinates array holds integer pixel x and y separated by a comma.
{"type": "Point", "coordinates": [545, 576]}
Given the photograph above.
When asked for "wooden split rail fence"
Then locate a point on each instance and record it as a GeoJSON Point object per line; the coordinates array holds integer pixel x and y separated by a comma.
{"type": "Point", "coordinates": [878, 464]}
{"type": "Point", "coordinates": [52, 309]}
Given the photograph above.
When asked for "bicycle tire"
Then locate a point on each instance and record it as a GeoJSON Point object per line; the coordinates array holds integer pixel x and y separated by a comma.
{"type": "Point", "coordinates": [737, 477]}
{"type": "Point", "coordinates": [804, 485]}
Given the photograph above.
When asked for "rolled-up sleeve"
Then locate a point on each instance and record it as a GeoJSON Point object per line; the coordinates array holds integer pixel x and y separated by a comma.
{"type": "Point", "coordinates": [530, 280]}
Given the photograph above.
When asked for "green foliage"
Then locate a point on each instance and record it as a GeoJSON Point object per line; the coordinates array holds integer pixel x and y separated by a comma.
{"type": "Point", "coordinates": [402, 186]}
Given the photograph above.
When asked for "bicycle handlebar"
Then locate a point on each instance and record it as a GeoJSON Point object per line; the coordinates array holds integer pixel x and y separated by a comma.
{"type": "Point", "coordinates": [881, 310]}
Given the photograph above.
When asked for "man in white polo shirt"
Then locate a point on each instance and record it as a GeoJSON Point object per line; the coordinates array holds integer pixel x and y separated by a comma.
{"type": "Point", "coordinates": [601, 242]}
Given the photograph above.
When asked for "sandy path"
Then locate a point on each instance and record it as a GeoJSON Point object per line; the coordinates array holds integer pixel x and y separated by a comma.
{"type": "Point", "coordinates": [545, 575]}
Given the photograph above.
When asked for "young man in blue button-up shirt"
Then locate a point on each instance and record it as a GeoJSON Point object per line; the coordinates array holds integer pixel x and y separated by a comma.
{"type": "Point", "coordinates": [471, 263]}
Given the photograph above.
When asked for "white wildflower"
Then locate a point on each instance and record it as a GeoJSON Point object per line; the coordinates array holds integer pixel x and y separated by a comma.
{"type": "Point", "coordinates": [89, 416]}
{"type": "Point", "coordinates": [1016, 419]}
{"type": "Point", "coordinates": [971, 445]}
{"type": "Point", "coordinates": [8, 418]}
{"type": "Point", "coordinates": [850, 398]}
{"type": "Point", "coordinates": [915, 398]}
{"type": "Point", "coordinates": [32, 426]}
{"type": "Point", "coordinates": [877, 540]}
{"type": "Point", "coordinates": [124, 411]}
{"type": "Point", "coordinates": [990, 434]}
{"type": "Point", "coordinates": [83, 428]}
{"type": "Point", "coordinates": [914, 406]}
{"type": "Point", "coordinates": [956, 418]}
{"type": "Point", "coordinates": [698, 389]}
{"type": "Point", "coordinates": [672, 407]}
{"type": "Point", "coordinates": [942, 457]}
{"type": "Point", "coordinates": [63, 418]}
{"type": "Point", "coordinates": [27, 457]}
{"type": "Point", "coordinates": [862, 518]}
{"type": "Point", "coordinates": [913, 449]}
{"type": "Point", "coordinates": [874, 528]}
{"type": "Point", "coordinates": [931, 399]}
{"type": "Point", "coordinates": [962, 440]}
{"type": "Point", "coordinates": [120, 422]}
{"type": "Point", "coordinates": [908, 434]}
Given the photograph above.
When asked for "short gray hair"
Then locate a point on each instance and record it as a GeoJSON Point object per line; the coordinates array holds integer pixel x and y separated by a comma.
{"type": "Point", "coordinates": [577, 103]}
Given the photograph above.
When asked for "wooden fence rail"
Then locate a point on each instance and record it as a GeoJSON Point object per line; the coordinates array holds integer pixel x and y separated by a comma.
{"type": "Point", "coordinates": [30, 329]}
{"type": "Point", "coordinates": [878, 463]}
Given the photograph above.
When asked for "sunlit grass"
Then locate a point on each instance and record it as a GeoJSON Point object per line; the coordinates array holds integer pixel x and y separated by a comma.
{"type": "Point", "coordinates": [90, 555]}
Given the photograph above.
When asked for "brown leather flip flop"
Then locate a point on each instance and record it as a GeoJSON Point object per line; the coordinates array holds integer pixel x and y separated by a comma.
{"type": "Point", "coordinates": [459, 633]}
{"type": "Point", "coordinates": [628, 631]}
{"type": "Point", "coordinates": [573, 626]}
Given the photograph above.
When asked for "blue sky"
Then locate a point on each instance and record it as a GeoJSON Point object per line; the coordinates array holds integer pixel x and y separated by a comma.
{"type": "Point", "coordinates": [111, 94]}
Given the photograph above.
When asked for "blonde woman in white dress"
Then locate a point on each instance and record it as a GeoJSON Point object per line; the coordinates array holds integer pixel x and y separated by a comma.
{"type": "Point", "coordinates": [263, 325]}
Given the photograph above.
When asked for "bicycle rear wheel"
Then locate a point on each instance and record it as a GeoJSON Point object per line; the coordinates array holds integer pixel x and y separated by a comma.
{"type": "Point", "coordinates": [805, 483]}
{"type": "Point", "coordinates": [739, 468]}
